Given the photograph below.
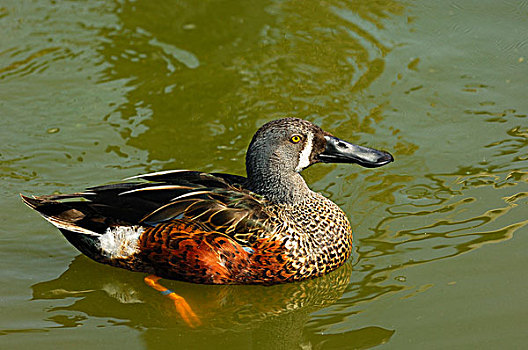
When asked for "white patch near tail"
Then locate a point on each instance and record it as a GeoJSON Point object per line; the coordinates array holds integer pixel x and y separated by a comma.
{"type": "Point", "coordinates": [304, 156]}
{"type": "Point", "coordinates": [120, 241]}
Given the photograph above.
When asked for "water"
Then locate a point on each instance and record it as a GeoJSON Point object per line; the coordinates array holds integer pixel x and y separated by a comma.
{"type": "Point", "coordinates": [95, 91]}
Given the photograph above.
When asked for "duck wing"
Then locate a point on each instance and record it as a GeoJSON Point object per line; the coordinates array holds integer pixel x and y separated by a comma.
{"type": "Point", "coordinates": [216, 202]}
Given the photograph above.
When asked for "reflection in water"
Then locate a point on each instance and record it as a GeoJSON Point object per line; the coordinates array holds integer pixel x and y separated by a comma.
{"type": "Point", "coordinates": [264, 315]}
{"type": "Point", "coordinates": [439, 220]}
{"type": "Point", "coordinates": [221, 68]}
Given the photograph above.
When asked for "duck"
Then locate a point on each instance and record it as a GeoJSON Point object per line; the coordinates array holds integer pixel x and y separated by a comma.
{"type": "Point", "coordinates": [216, 228]}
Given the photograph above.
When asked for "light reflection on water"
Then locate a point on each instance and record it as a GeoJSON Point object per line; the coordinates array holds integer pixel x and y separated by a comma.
{"type": "Point", "coordinates": [126, 87]}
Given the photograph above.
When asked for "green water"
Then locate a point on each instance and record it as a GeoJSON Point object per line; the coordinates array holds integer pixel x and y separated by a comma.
{"type": "Point", "coordinates": [96, 91]}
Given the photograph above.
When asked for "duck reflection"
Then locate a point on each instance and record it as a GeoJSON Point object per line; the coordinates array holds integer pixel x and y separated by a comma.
{"type": "Point", "coordinates": [274, 316]}
{"type": "Point", "coordinates": [105, 292]}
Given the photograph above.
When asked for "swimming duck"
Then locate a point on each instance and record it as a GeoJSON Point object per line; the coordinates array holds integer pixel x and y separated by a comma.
{"type": "Point", "coordinates": [216, 228]}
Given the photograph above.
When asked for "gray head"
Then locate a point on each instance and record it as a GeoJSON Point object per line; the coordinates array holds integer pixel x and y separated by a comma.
{"type": "Point", "coordinates": [282, 148]}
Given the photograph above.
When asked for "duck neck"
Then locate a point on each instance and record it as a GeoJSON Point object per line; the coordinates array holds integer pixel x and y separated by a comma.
{"type": "Point", "coordinates": [280, 186]}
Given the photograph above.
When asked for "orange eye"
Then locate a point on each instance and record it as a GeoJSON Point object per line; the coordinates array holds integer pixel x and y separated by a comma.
{"type": "Point", "coordinates": [295, 139]}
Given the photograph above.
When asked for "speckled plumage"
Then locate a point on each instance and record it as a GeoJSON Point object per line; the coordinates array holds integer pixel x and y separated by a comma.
{"type": "Point", "coordinates": [220, 228]}
{"type": "Point", "coordinates": [316, 232]}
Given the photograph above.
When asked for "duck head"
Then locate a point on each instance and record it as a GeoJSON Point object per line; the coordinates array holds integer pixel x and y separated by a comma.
{"type": "Point", "coordinates": [282, 148]}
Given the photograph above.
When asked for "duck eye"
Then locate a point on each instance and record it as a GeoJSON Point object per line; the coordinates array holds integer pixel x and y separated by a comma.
{"type": "Point", "coordinates": [295, 139]}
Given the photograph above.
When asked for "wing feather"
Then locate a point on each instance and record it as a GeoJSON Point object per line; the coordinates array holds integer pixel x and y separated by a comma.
{"type": "Point", "coordinates": [216, 202]}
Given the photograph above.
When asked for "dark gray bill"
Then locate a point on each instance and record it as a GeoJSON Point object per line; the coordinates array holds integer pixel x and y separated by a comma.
{"type": "Point", "coordinates": [339, 151]}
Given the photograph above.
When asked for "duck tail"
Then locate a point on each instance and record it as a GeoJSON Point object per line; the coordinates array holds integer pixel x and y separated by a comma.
{"type": "Point", "coordinates": [73, 219]}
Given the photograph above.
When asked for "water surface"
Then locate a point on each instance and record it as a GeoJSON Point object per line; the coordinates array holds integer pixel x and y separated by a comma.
{"type": "Point", "coordinates": [96, 91]}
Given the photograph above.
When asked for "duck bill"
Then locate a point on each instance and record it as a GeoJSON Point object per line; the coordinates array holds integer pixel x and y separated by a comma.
{"type": "Point", "coordinates": [339, 151]}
